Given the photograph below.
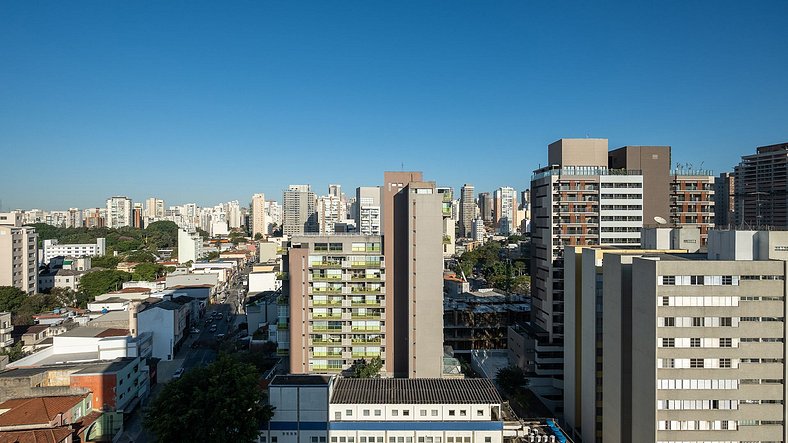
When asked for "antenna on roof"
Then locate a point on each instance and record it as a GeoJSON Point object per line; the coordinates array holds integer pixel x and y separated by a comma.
{"type": "Point", "coordinates": [402, 166]}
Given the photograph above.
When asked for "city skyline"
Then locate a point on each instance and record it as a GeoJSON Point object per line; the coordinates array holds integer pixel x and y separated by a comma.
{"type": "Point", "coordinates": [107, 96]}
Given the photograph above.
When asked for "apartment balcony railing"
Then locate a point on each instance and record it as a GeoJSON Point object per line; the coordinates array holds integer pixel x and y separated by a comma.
{"type": "Point", "coordinates": [355, 316]}
{"type": "Point", "coordinates": [320, 341]}
{"type": "Point", "coordinates": [366, 341]}
{"type": "Point", "coordinates": [317, 328]}
{"type": "Point", "coordinates": [330, 302]}
{"type": "Point", "coordinates": [365, 354]}
{"type": "Point", "coordinates": [365, 328]}
{"type": "Point", "coordinates": [326, 265]}
{"type": "Point", "coordinates": [324, 278]}
{"type": "Point", "coordinates": [327, 316]}
{"type": "Point", "coordinates": [364, 303]}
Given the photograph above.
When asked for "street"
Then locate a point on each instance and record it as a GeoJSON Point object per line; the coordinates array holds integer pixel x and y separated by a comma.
{"type": "Point", "coordinates": [197, 350]}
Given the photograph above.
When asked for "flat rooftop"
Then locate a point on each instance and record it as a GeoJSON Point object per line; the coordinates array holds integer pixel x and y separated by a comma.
{"type": "Point", "coordinates": [301, 380]}
{"type": "Point", "coordinates": [95, 332]}
{"type": "Point", "coordinates": [414, 391]}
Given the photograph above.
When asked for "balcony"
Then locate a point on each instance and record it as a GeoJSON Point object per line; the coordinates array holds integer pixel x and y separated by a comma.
{"type": "Point", "coordinates": [326, 341]}
{"type": "Point", "coordinates": [368, 316]}
{"type": "Point", "coordinates": [320, 328]}
{"type": "Point", "coordinates": [333, 301]}
{"type": "Point", "coordinates": [337, 278]}
{"type": "Point", "coordinates": [365, 341]}
{"type": "Point", "coordinates": [364, 303]}
{"type": "Point", "coordinates": [365, 328]}
{"type": "Point", "coordinates": [327, 316]}
{"type": "Point", "coordinates": [365, 354]}
{"type": "Point", "coordinates": [326, 265]}
{"type": "Point", "coordinates": [366, 291]}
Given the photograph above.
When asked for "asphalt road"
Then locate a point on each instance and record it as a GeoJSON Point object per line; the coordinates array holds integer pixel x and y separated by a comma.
{"type": "Point", "coordinates": [203, 354]}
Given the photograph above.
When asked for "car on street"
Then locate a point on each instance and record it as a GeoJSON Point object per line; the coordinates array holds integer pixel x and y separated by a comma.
{"type": "Point", "coordinates": [194, 331]}
{"type": "Point", "coordinates": [220, 336]}
{"type": "Point", "coordinates": [178, 373]}
{"type": "Point", "coordinates": [213, 328]}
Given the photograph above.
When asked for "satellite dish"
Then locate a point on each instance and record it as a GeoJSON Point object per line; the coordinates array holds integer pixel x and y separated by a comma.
{"type": "Point", "coordinates": [660, 220]}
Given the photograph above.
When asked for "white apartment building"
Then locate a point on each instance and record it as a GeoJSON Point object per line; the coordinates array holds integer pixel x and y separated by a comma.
{"type": "Point", "coordinates": [6, 328]}
{"type": "Point", "coordinates": [330, 211]}
{"type": "Point", "coordinates": [51, 248]}
{"type": "Point", "coordinates": [368, 210]}
{"type": "Point", "coordinates": [119, 212]}
{"type": "Point", "coordinates": [189, 246]}
{"type": "Point", "coordinates": [479, 233]}
{"type": "Point", "coordinates": [313, 408]}
{"type": "Point", "coordinates": [73, 218]}
{"type": "Point", "coordinates": [259, 223]}
{"type": "Point", "coordinates": [154, 210]}
{"type": "Point", "coordinates": [18, 253]}
{"type": "Point", "coordinates": [505, 210]}
{"type": "Point", "coordinates": [273, 212]}
{"type": "Point", "coordinates": [680, 347]}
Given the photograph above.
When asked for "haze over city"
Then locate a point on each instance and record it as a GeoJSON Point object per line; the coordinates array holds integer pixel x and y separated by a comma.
{"type": "Point", "coordinates": [207, 102]}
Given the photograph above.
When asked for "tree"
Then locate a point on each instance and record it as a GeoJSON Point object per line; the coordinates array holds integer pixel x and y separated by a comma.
{"type": "Point", "coordinates": [161, 234]}
{"type": "Point", "coordinates": [14, 353]}
{"type": "Point", "coordinates": [64, 296]}
{"type": "Point", "coordinates": [363, 369]}
{"type": "Point", "coordinates": [11, 298]}
{"type": "Point", "coordinates": [105, 261]}
{"type": "Point", "coordinates": [511, 378]}
{"type": "Point", "coordinates": [221, 402]}
{"type": "Point", "coordinates": [32, 305]}
{"type": "Point", "coordinates": [258, 236]}
{"type": "Point", "coordinates": [147, 271]}
{"type": "Point", "coordinates": [101, 282]}
{"type": "Point", "coordinates": [141, 256]}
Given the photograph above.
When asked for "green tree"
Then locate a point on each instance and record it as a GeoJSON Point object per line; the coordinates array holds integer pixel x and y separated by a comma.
{"type": "Point", "coordinates": [367, 369]}
{"type": "Point", "coordinates": [11, 298]}
{"type": "Point", "coordinates": [105, 261]}
{"type": "Point", "coordinates": [14, 352]}
{"type": "Point", "coordinates": [221, 402]}
{"type": "Point", "coordinates": [147, 271]}
{"type": "Point", "coordinates": [32, 305]}
{"type": "Point", "coordinates": [64, 296]}
{"type": "Point", "coordinates": [161, 234]}
{"type": "Point", "coordinates": [258, 236]}
{"type": "Point", "coordinates": [140, 256]}
{"type": "Point", "coordinates": [101, 282]}
{"type": "Point", "coordinates": [511, 378]}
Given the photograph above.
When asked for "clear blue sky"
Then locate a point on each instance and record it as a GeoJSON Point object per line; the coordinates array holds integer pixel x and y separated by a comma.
{"type": "Point", "coordinates": [212, 101]}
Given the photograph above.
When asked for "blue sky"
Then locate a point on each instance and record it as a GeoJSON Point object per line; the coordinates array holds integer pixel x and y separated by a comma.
{"type": "Point", "coordinates": [213, 101]}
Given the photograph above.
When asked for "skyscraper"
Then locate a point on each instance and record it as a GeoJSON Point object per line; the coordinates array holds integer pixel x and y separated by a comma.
{"type": "Point", "coordinates": [299, 212]}
{"type": "Point", "coordinates": [412, 246]}
{"type": "Point", "coordinates": [18, 253]}
{"type": "Point", "coordinates": [137, 216]}
{"type": "Point", "coordinates": [761, 186]}
{"type": "Point", "coordinates": [368, 210]}
{"type": "Point", "coordinates": [692, 200]}
{"type": "Point", "coordinates": [259, 224]}
{"type": "Point", "coordinates": [724, 201]}
{"type": "Point", "coordinates": [119, 212]}
{"type": "Point", "coordinates": [467, 210]}
{"type": "Point", "coordinates": [505, 210]}
{"type": "Point", "coordinates": [154, 210]}
{"type": "Point", "coordinates": [486, 206]}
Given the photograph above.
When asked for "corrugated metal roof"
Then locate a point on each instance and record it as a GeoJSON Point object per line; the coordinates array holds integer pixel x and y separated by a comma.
{"type": "Point", "coordinates": [414, 391]}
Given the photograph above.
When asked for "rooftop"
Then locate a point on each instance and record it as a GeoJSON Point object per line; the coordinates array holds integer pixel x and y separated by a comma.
{"type": "Point", "coordinates": [414, 391]}
{"type": "Point", "coordinates": [300, 380]}
{"type": "Point", "coordinates": [107, 367]}
{"type": "Point", "coordinates": [36, 410]}
{"type": "Point", "coordinates": [95, 332]}
{"type": "Point", "coordinates": [52, 435]}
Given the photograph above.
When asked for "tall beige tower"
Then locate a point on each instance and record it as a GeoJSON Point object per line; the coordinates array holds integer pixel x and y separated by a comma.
{"type": "Point", "coordinates": [259, 224]}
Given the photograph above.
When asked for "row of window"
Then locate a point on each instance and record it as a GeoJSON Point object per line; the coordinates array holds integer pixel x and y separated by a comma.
{"type": "Point", "coordinates": [683, 384]}
{"type": "Point", "coordinates": [698, 301]}
{"type": "Point", "coordinates": [697, 342]}
{"type": "Point", "coordinates": [702, 280]}
{"type": "Point", "coordinates": [697, 363]}
{"type": "Point", "coordinates": [689, 322]}
{"type": "Point", "coordinates": [690, 405]}
{"type": "Point", "coordinates": [621, 185]}
{"type": "Point", "coordinates": [406, 413]}
{"type": "Point", "coordinates": [697, 425]}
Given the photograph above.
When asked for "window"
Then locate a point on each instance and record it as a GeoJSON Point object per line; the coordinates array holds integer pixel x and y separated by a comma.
{"type": "Point", "coordinates": [463, 412]}
{"type": "Point", "coordinates": [480, 412]}
{"type": "Point", "coordinates": [392, 440]}
{"type": "Point", "coordinates": [668, 342]}
{"type": "Point", "coordinates": [349, 412]}
{"type": "Point", "coordinates": [726, 321]}
{"type": "Point", "coordinates": [452, 413]}
{"type": "Point", "coordinates": [434, 412]}
{"type": "Point", "coordinates": [406, 412]}
{"type": "Point", "coordinates": [725, 363]}
{"type": "Point", "coordinates": [696, 363]}
{"type": "Point", "coordinates": [697, 321]}
{"type": "Point", "coordinates": [394, 412]}
{"type": "Point", "coordinates": [314, 439]}
{"type": "Point", "coordinates": [275, 438]}
{"type": "Point", "coordinates": [377, 412]}
{"type": "Point", "coordinates": [665, 301]}
{"type": "Point", "coordinates": [423, 413]}
{"type": "Point", "coordinates": [694, 343]}
{"type": "Point", "coordinates": [263, 439]}
{"type": "Point", "coordinates": [726, 342]}
{"type": "Point", "coordinates": [670, 321]}
{"type": "Point", "coordinates": [365, 413]}
{"type": "Point", "coordinates": [487, 439]}
{"type": "Point", "coordinates": [668, 279]}
{"type": "Point", "coordinates": [322, 440]}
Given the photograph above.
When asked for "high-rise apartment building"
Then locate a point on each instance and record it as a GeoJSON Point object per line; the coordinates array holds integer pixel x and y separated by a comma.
{"type": "Point", "coordinates": [189, 246]}
{"type": "Point", "coordinates": [692, 200]}
{"type": "Point", "coordinates": [74, 218]}
{"type": "Point", "coordinates": [368, 210]}
{"type": "Point", "coordinates": [330, 211]}
{"type": "Point", "coordinates": [577, 200]}
{"type": "Point", "coordinates": [299, 212]}
{"type": "Point", "coordinates": [259, 224]}
{"type": "Point", "coordinates": [94, 218]}
{"type": "Point", "coordinates": [485, 203]}
{"type": "Point", "coordinates": [412, 233]}
{"type": "Point", "coordinates": [154, 210]}
{"type": "Point", "coordinates": [18, 253]}
{"type": "Point", "coordinates": [505, 210]}
{"type": "Point", "coordinates": [724, 202]}
{"type": "Point", "coordinates": [137, 215]}
{"type": "Point", "coordinates": [761, 185]}
{"type": "Point", "coordinates": [119, 212]}
{"type": "Point", "coordinates": [449, 232]}
{"type": "Point", "coordinates": [682, 347]}
{"type": "Point", "coordinates": [654, 164]}
{"type": "Point", "coordinates": [467, 210]}
{"type": "Point", "coordinates": [273, 212]}
{"type": "Point", "coordinates": [338, 302]}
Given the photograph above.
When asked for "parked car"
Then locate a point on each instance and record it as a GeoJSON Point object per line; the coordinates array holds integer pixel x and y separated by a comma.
{"type": "Point", "coordinates": [178, 373]}
{"type": "Point", "coordinates": [213, 328]}
{"type": "Point", "coordinates": [220, 336]}
{"type": "Point", "coordinates": [194, 331]}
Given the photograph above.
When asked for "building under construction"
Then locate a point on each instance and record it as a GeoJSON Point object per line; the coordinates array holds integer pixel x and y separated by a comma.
{"type": "Point", "coordinates": [479, 319]}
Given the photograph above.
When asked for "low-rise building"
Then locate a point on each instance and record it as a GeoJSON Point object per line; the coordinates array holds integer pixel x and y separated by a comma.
{"type": "Point", "coordinates": [167, 321]}
{"type": "Point", "coordinates": [51, 249]}
{"type": "Point", "coordinates": [6, 328]}
{"type": "Point", "coordinates": [22, 418]}
{"type": "Point", "coordinates": [118, 385]}
{"type": "Point", "coordinates": [314, 408]}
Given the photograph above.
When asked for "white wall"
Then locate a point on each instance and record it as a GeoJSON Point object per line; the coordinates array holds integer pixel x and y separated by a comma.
{"type": "Point", "coordinates": [161, 323]}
